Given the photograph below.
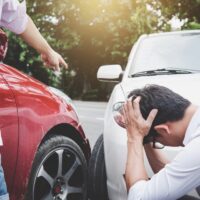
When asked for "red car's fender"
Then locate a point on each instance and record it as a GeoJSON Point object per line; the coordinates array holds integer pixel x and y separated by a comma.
{"type": "Point", "coordinates": [9, 131]}
{"type": "Point", "coordinates": [39, 111]}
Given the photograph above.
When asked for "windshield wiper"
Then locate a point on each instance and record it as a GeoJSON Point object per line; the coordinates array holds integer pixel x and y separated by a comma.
{"type": "Point", "coordinates": [162, 71]}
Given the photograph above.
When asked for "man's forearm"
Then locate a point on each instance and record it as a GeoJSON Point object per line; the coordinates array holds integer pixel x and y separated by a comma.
{"type": "Point", "coordinates": [32, 36]}
{"type": "Point", "coordinates": [156, 158]}
{"type": "Point", "coordinates": [135, 169]}
{"type": "Point", "coordinates": [137, 128]}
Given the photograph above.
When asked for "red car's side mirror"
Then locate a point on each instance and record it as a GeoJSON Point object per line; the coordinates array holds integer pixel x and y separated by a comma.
{"type": "Point", "coordinates": [3, 45]}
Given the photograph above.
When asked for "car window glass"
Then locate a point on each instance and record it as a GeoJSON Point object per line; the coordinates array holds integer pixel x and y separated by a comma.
{"type": "Point", "coordinates": [167, 51]}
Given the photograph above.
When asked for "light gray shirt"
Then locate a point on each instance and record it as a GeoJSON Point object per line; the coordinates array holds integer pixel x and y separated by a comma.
{"type": "Point", "coordinates": [13, 15]}
{"type": "Point", "coordinates": [178, 177]}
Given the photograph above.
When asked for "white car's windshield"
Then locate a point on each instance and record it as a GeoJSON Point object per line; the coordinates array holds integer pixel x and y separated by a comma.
{"type": "Point", "coordinates": [179, 51]}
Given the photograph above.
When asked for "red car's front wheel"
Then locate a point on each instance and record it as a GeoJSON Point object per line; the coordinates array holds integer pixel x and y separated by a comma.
{"type": "Point", "coordinates": [59, 171]}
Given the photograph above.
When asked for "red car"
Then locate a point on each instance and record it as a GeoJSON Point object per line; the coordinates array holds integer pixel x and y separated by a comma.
{"type": "Point", "coordinates": [45, 151]}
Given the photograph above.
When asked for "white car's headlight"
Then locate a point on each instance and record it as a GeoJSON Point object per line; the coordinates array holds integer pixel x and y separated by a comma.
{"type": "Point", "coordinates": [117, 111]}
{"type": "Point", "coordinates": [119, 119]}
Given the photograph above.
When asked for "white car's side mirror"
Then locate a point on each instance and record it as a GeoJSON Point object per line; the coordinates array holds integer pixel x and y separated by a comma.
{"type": "Point", "coordinates": [110, 73]}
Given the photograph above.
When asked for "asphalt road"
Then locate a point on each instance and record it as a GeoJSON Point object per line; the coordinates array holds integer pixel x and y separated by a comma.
{"type": "Point", "coordinates": [91, 115]}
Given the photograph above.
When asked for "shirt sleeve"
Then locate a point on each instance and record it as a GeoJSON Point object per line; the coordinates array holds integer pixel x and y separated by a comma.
{"type": "Point", "coordinates": [14, 16]}
{"type": "Point", "coordinates": [175, 180]}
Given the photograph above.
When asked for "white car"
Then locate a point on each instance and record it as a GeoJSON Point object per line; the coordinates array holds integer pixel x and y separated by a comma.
{"type": "Point", "coordinates": [169, 59]}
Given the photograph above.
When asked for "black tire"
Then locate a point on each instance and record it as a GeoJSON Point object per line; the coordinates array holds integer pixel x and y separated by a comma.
{"type": "Point", "coordinates": [97, 172]}
{"type": "Point", "coordinates": [59, 171]}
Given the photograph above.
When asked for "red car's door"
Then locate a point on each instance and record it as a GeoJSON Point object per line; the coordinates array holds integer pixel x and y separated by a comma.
{"type": "Point", "coordinates": [9, 131]}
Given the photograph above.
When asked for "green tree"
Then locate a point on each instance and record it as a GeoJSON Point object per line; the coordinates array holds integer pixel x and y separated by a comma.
{"type": "Point", "coordinates": [185, 10]}
{"type": "Point", "coordinates": [92, 33]}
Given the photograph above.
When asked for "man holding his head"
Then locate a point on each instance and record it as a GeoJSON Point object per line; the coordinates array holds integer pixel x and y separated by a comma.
{"type": "Point", "coordinates": [157, 114]}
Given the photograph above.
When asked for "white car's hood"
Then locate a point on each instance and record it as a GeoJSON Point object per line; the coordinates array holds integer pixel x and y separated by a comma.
{"type": "Point", "coordinates": [187, 85]}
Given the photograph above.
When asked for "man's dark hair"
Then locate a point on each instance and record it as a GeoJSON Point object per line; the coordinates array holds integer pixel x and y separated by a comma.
{"type": "Point", "coordinates": [171, 106]}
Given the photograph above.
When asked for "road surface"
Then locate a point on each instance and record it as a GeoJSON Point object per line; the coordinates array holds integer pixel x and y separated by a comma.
{"type": "Point", "coordinates": [91, 115]}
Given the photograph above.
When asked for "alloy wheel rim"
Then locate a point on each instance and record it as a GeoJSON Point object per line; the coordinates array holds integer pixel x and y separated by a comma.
{"type": "Point", "coordinates": [60, 176]}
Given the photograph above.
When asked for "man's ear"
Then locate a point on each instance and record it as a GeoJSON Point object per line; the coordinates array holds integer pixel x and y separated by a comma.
{"type": "Point", "coordinates": [162, 129]}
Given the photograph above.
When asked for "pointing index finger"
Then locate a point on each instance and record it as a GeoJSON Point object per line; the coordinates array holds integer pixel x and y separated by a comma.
{"type": "Point", "coordinates": [63, 63]}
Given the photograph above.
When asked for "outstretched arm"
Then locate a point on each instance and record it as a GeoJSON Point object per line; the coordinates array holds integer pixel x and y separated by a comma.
{"type": "Point", "coordinates": [32, 36]}
{"type": "Point", "coordinates": [15, 18]}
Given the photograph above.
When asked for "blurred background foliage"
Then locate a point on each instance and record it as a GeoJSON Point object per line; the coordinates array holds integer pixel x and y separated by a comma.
{"type": "Point", "coordinates": [91, 33]}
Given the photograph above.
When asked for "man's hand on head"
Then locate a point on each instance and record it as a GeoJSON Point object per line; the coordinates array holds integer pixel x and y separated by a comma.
{"type": "Point", "coordinates": [137, 127]}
